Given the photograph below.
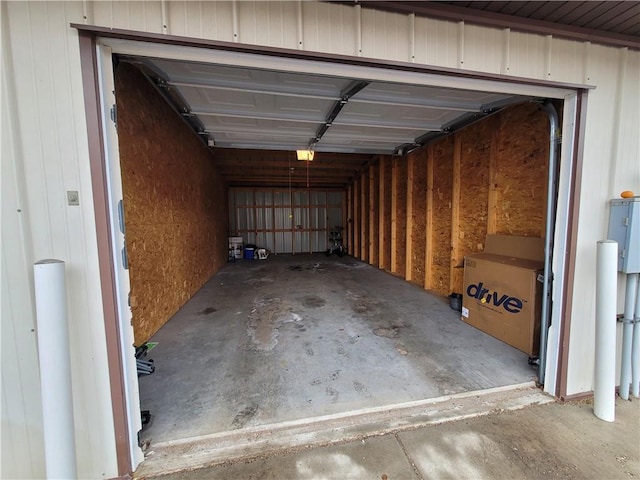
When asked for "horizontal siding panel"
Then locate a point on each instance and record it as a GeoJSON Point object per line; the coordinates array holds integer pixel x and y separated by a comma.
{"type": "Point", "coordinates": [483, 49]}
{"type": "Point", "coordinates": [135, 15]}
{"type": "Point", "coordinates": [567, 61]}
{"type": "Point", "coordinates": [385, 35]}
{"type": "Point", "coordinates": [437, 42]}
{"type": "Point", "coordinates": [216, 20]}
{"type": "Point", "coordinates": [527, 55]}
{"type": "Point", "coordinates": [268, 23]}
{"type": "Point", "coordinates": [329, 28]}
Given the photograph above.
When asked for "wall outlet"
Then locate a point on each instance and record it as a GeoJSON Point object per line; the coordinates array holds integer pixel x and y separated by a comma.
{"type": "Point", "coordinates": [73, 199]}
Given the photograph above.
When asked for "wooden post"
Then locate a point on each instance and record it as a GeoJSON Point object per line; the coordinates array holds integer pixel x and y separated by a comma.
{"type": "Point", "coordinates": [492, 206]}
{"type": "Point", "coordinates": [255, 216]}
{"type": "Point", "coordinates": [273, 220]}
{"type": "Point", "coordinates": [455, 208]}
{"type": "Point", "coordinates": [349, 220]}
{"type": "Point", "coordinates": [408, 274]}
{"type": "Point", "coordinates": [428, 253]}
{"type": "Point", "coordinates": [293, 219]}
{"type": "Point", "coordinates": [394, 222]}
{"type": "Point", "coordinates": [345, 215]}
{"type": "Point", "coordinates": [382, 240]}
{"type": "Point", "coordinates": [356, 218]}
{"type": "Point", "coordinates": [373, 237]}
{"type": "Point", "coordinates": [364, 216]}
{"type": "Point", "coordinates": [308, 226]}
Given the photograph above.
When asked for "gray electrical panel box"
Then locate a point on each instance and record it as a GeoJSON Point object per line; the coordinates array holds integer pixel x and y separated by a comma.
{"type": "Point", "coordinates": [624, 228]}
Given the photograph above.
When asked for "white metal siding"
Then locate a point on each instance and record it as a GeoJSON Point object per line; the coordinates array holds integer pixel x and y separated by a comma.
{"type": "Point", "coordinates": [49, 157]}
{"type": "Point", "coordinates": [329, 28]}
{"type": "Point", "coordinates": [45, 149]}
{"type": "Point", "coordinates": [611, 165]}
{"type": "Point", "coordinates": [437, 42]}
{"type": "Point", "coordinates": [21, 408]}
{"type": "Point", "coordinates": [486, 53]}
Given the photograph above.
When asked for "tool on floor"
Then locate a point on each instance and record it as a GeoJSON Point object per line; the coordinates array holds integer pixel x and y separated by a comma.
{"type": "Point", "coordinates": [144, 367]}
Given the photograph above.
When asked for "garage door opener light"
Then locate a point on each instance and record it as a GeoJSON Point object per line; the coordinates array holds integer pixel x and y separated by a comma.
{"type": "Point", "coordinates": [305, 155]}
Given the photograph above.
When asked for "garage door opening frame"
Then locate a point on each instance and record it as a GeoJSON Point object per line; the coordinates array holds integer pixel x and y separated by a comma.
{"type": "Point", "coordinates": [96, 47]}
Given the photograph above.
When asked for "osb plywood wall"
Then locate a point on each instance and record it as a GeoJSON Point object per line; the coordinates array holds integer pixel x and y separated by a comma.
{"type": "Point", "coordinates": [439, 202]}
{"type": "Point", "coordinates": [399, 216]}
{"type": "Point", "coordinates": [416, 218]}
{"type": "Point", "coordinates": [174, 202]}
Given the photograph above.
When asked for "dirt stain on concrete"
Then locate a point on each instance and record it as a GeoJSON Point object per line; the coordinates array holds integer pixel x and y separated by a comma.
{"type": "Point", "coordinates": [207, 311]}
{"type": "Point", "coordinates": [313, 301]}
{"type": "Point", "coordinates": [310, 267]}
{"type": "Point", "coordinates": [266, 317]}
{"type": "Point", "coordinates": [244, 415]}
{"type": "Point", "coordinates": [391, 332]}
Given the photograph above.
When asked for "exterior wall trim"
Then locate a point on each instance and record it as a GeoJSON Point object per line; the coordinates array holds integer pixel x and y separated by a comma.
{"type": "Point", "coordinates": [175, 40]}
{"type": "Point", "coordinates": [88, 60]}
{"type": "Point", "coordinates": [87, 43]}
{"type": "Point", "coordinates": [570, 266]}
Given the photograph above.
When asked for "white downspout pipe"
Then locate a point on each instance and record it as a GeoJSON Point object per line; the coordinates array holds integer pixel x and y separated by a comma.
{"type": "Point", "coordinates": [635, 348]}
{"type": "Point", "coordinates": [55, 369]}
{"type": "Point", "coordinates": [604, 390]}
{"type": "Point", "coordinates": [627, 334]}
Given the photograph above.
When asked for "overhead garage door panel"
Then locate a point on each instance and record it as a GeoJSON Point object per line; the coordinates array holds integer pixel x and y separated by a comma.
{"type": "Point", "coordinates": [239, 107]}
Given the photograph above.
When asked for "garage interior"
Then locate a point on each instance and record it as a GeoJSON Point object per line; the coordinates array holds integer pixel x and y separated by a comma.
{"type": "Point", "coordinates": [414, 176]}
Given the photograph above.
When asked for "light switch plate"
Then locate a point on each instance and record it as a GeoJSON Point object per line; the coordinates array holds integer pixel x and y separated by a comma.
{"type": "Point", "coordinates": [73, 199]}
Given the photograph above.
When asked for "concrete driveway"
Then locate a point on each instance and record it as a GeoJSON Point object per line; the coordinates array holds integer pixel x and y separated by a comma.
{"type": "Point", "coordinates": [550, 440]}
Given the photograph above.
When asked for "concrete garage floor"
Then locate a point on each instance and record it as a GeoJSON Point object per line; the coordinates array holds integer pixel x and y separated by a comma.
{"type": "Point", "coordinates": [294, 337]}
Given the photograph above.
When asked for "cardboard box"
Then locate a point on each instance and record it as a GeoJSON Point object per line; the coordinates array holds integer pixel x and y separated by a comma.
{"type": "Point", "coordinates": [502, 295]}
{"type": "Point", "coordinates": [235, 247]}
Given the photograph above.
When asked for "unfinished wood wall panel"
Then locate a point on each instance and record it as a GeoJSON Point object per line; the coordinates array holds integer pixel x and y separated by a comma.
{"type": "Point", "coordinates": [428, 234]}
{"type": "Point", "coordinates": [175, 204]}
{"type": "Point", "coordinates": [521, 171]}
{"type": "Point", "coordinates": [394, 215]}
{"type": "Point", "coordinates": [349, 219]}
{"type": "Point", "coordinates": [400, 176]}
{"type": "Point", "coordinates": [441, 234]}
{"type": "Point", "coordinates": [356, 218]}
{"type": "Point", "coordinates": [382, 193]}
{"type": "Point", "coordinates": [475, 150]}
{"type": "Point", "coordinates": [374, 214]}
{"type": "Point", "coordinates": [386, 183]}
{"type": "Point", "coordinates": [364, 216]}
{"type": "Point", "coordinates": [410, 160]}
{"type": "Point", "coordinates": [456, 231]}
{"type": "Point", "coordinates": [418, 219]}
{"type": "Point", "coordinates": [437, 204]}
{"type": "Point", "coordinates": [492, 204]}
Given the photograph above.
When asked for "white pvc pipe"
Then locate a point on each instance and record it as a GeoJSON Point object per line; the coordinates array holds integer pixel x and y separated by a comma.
{"type": "Point", "coordinates": [604, 391]}
{"type": "Point", "coordinates": [55, 369]}
{"type": "Point", "coordinates": [627, 335]}
{"type": "Point", "coordinates": [635, 348]}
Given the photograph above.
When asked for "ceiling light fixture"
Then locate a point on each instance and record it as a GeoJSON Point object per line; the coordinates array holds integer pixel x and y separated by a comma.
{"type": "Point", "coordinates": [305, 155]}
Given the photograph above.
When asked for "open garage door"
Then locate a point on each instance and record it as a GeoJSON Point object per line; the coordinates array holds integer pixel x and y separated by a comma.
{"type": "Point", "coordinates": [275, 103]}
